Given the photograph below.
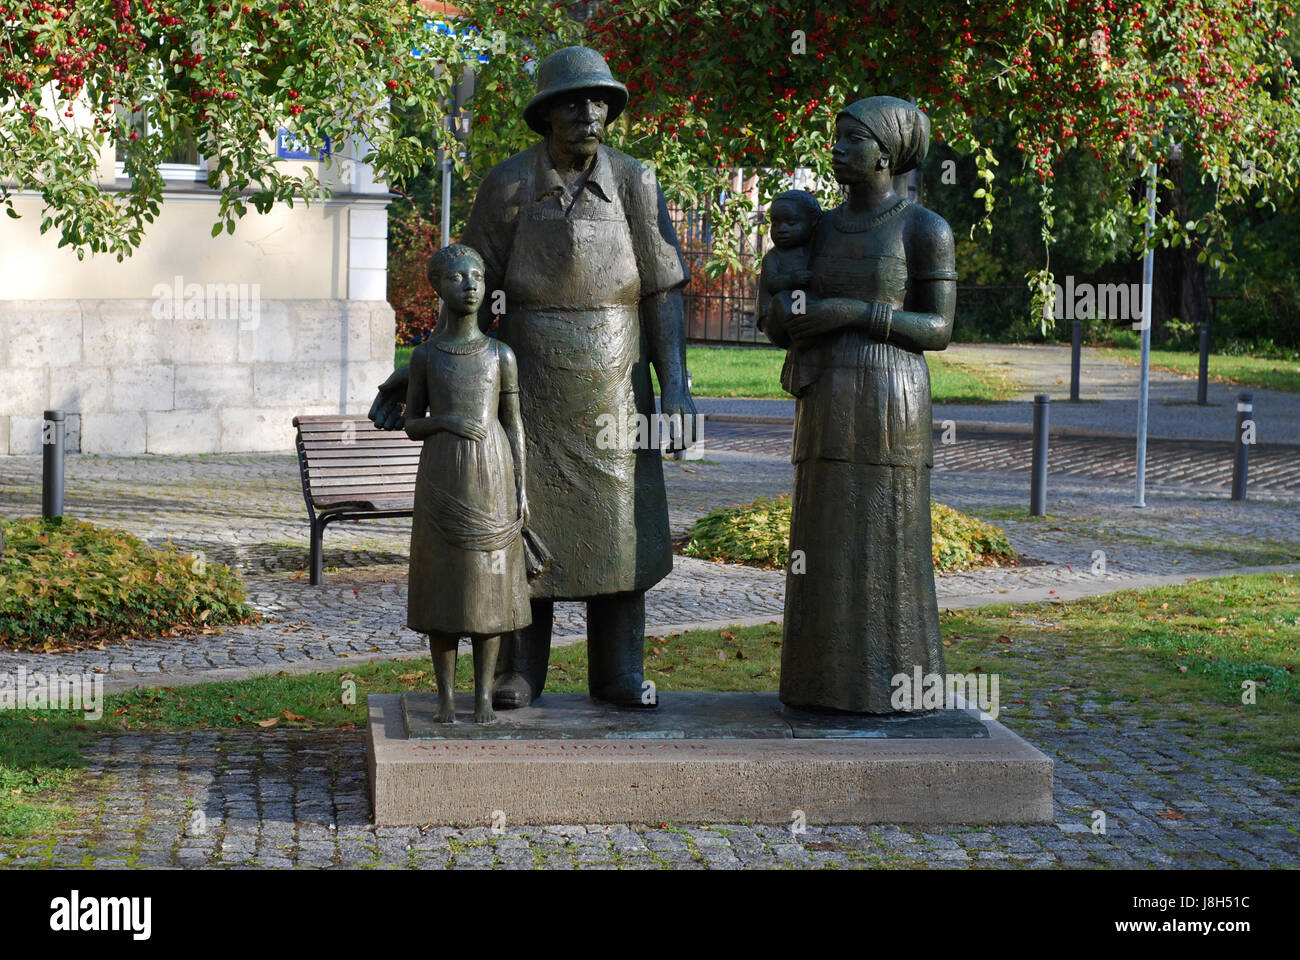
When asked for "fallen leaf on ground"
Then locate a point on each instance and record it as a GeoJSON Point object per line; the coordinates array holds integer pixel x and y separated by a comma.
{"type": "Point", "coordinates": [271, 722]}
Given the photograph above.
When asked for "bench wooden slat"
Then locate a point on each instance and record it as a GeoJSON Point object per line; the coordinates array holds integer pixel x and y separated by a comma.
{"type": "Point", "coordinates": [305, 422]}
{"type": "Point", "coordinates": [357, 424]}
{"type": "Point", "coordinates": [352, 484]}
{"type": "Point", "coordinates": [377, 504]}
{"type": "Point", "coordinates": [381, 460]}
{"type": "Point", "coordinates": [338, 436]}
{"type": "Point", "coordinates": [312, 442]}
{"type": "Point", "coordinates": [360, 468]}
{"type": "Point", "coordinates": [356, 450]}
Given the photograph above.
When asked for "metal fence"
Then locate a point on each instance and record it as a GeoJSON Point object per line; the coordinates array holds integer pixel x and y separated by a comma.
{"type": "Point", "coordinates": [719, 310]}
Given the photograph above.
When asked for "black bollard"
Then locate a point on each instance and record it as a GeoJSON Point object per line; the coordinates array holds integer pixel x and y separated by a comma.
{"type": "Point", "coordinates": [1076, 347]}
{"type": "Point", "coordinates": [1241, 458]}
{"type": "Point", "coordinates": [1203, 368]}
{"type": "Point", "coordinates": [1038, 483]}
{"type": "Point", "coordinates": [52, 465]}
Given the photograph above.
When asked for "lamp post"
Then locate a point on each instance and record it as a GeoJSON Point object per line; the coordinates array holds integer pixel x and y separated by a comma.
{"type": "Point", "coordinates": [1144, 368]}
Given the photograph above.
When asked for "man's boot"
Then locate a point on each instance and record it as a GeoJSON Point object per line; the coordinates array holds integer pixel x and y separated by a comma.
{"type": "Point", "coordinates": [525, 657]}
{"type": "Point", "coordinates": [616, 650]}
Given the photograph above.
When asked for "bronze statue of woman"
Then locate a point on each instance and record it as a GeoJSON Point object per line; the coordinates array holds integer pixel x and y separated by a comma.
{"type": "Point", "coordinates": [860, 603]}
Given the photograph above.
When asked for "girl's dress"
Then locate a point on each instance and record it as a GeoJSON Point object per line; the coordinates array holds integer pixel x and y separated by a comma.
{"type": "Point", "coordinates": [467, 571]}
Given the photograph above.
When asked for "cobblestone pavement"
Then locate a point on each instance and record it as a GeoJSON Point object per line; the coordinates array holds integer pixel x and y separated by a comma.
{"type": "Point", "coordinates": [1200, 467]}
{"type": "Point", "coordinates": [248, 510]}
{"type": "Point", "coordinates": [281, 799]}
{"type": "Point", "coordinates": [1109, 388]}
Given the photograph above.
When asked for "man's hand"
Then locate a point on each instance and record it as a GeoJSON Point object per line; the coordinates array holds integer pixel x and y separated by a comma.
{"type": "Point", "coordinates": [388, 410]}
{"type": "Point", "coordinates": [676, 404]}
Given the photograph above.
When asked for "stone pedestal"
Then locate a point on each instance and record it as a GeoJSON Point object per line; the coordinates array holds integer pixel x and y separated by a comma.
{"type": "Point", "coordinates": [701, 758]}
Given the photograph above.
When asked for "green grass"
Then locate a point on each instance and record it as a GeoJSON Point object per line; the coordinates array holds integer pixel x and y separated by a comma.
{"type": "Point", "coordinates": [1262, 372]}
{"type": "Point", "coordinates": [756, 372]}
{"type": "Point", "coordinates": [1164, 654]}
{"type": "Point", "coordinates": [758, 534]}
{"type": "Point", "coordinates": [1175, 653]}
{"type": "Point", "coordinates": [40, 770]}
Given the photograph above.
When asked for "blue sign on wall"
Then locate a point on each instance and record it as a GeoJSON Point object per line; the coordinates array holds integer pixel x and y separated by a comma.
{"type": "Point", "coordinates": [288, 146]}
{"type": "Point", "coordinates": [474, 45]}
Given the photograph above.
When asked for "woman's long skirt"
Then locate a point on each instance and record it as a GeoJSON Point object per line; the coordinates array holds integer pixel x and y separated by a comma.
{"type": "Point", "coordinates": [861, 607]}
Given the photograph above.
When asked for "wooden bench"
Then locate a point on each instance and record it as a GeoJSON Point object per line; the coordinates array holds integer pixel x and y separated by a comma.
{"type": "Point", "coordinates": [352, 470]}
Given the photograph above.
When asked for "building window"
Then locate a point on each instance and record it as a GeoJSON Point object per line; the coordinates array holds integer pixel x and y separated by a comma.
{"type": "Point", "coordinates": [181, 162]}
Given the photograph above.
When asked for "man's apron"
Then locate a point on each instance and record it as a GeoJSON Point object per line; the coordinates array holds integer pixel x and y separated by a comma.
{"type": "Point", "coordinates": [597, 502]}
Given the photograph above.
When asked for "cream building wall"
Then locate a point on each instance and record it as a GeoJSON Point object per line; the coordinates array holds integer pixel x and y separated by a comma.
{"type": "Point", "coordinates": [285, 316]}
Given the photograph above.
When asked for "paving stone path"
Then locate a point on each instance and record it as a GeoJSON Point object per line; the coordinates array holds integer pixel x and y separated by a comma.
{"type": "Point", "coordinates": [1108, 391]}
{"type": "Point", "coordinates": [282, 799]}
{"type": "Point", "coordinates": [1172, 795]}
{"type": "Point", "coordinates": [1203, 467]}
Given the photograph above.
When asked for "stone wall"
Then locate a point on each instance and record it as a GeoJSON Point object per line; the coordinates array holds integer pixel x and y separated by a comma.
{"type": "Point", "coordinates": [134, 383]}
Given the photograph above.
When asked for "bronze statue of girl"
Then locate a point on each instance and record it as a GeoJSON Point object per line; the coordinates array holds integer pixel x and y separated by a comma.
{"type": "Point", "coordinates": [467, 570]}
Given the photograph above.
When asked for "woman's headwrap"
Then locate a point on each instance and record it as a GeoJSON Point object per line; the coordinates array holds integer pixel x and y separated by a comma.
{"type": "Point", "coordinates": [899, 127]}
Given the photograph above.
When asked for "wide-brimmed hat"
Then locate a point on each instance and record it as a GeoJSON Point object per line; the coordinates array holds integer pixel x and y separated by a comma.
{"type": "Point", "coordinates": [570, 69]}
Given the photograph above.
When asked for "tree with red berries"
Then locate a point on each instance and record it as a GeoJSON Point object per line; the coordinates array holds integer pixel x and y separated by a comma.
{"type": "Point", "coordinates": [78, 76]}
{"type": "Point", "coordinates": [1128, 83]}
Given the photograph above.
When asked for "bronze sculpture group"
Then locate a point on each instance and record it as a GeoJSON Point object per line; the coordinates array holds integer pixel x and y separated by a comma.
{"type": "Point", "coordinates": [577, 239]}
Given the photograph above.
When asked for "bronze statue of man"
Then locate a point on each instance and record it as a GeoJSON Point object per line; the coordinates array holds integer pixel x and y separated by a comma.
{"type": "Point", "coordinates": [584, 277]}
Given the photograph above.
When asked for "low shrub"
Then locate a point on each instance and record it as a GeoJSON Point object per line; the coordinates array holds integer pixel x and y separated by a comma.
{"type": "Point", "coordinates": [67, 583]}
{"type": "Point", "coordinates": [758, 534]}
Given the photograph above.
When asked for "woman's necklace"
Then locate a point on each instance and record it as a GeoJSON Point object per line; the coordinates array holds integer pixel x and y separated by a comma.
{"type": "Point", "coordinates": [847, 222]}
{"type": "Point", "coordinates": [463, 346]}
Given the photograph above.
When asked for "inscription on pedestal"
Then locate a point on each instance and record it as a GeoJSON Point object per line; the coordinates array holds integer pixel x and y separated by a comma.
{"type": "Point", "coordinates": [681, 716]}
